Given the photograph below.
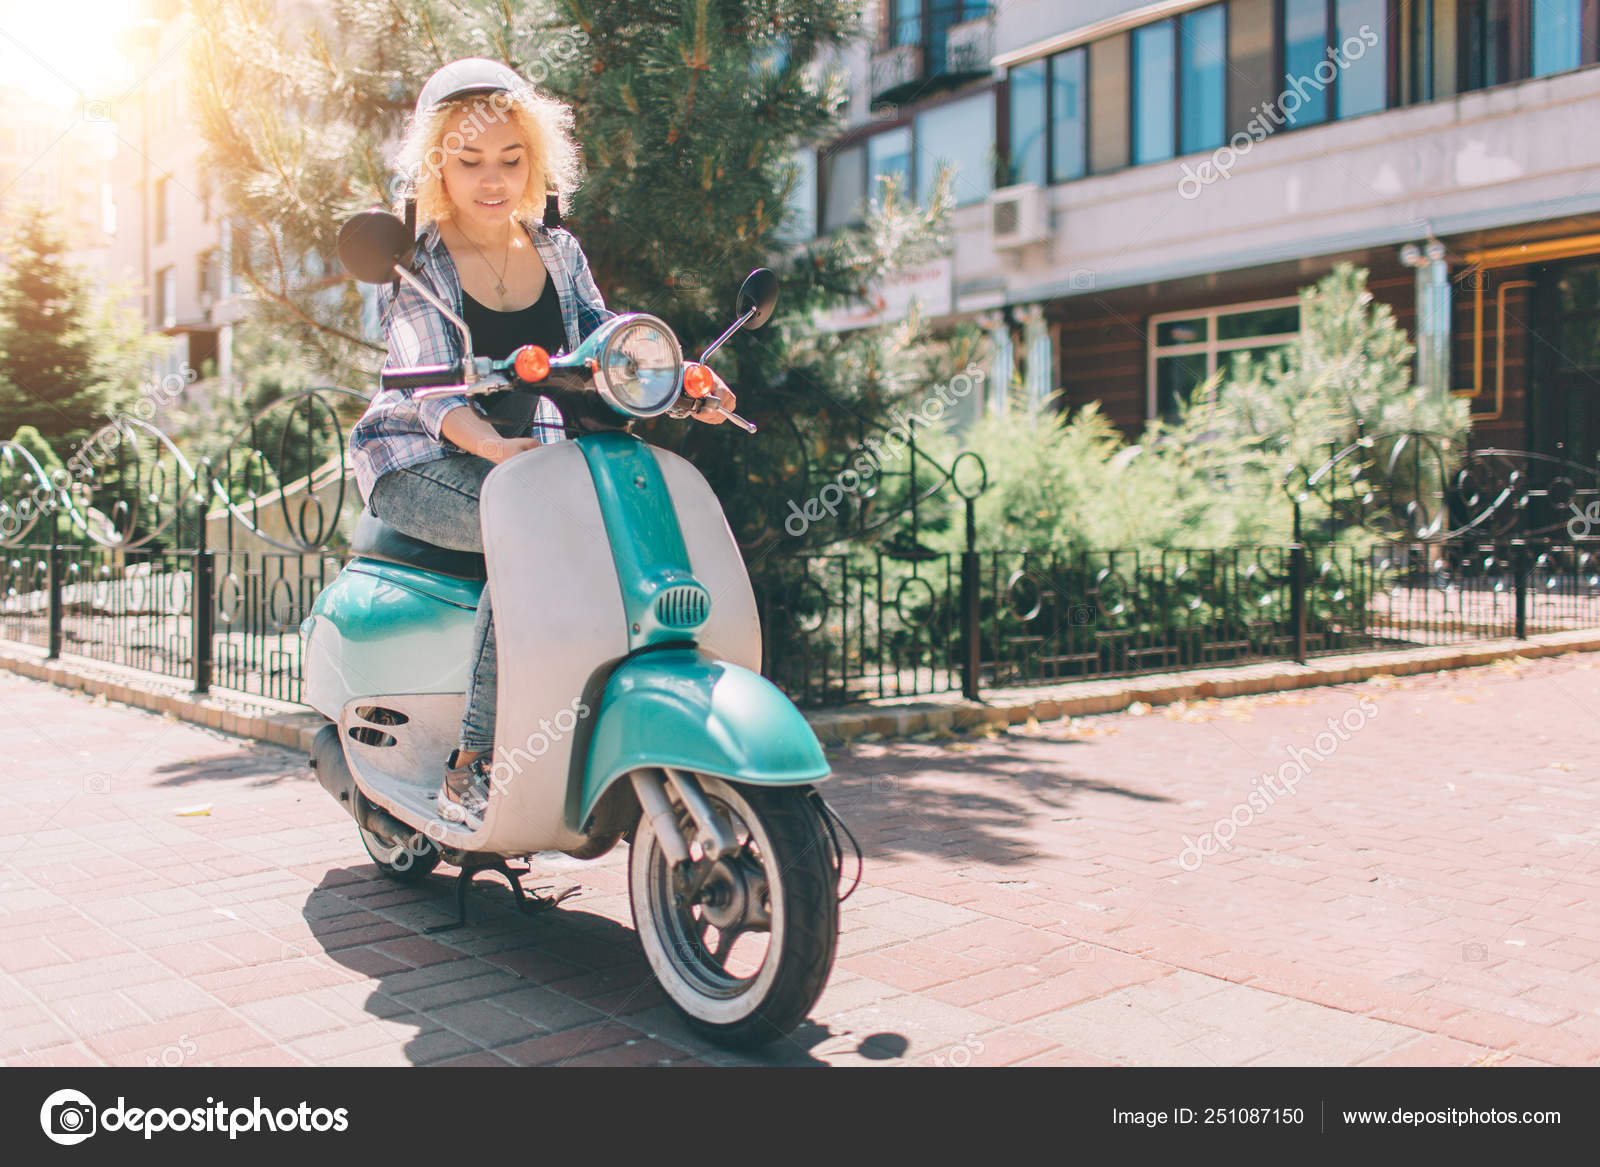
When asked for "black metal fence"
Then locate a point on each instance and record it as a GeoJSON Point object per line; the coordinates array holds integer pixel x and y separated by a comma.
{"type": "Point", "coordinates": [1507, 552]}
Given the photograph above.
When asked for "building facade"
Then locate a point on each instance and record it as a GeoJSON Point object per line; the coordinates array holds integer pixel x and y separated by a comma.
{"type": "Point", "coordinates": [1143, 188]}
{"type": "Point", "coordinates": [172, 236]}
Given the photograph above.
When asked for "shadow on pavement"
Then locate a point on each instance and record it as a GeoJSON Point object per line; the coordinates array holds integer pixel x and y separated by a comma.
{"type": "Point", "coordinates": [261, 765]}
{"type": "Point", "coordinates": [542, 987]}
{"type": "Point", "coordinates": [921, 800]}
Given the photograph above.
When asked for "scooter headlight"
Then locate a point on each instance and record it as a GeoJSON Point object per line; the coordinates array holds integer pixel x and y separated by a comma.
{"type": "Point", "coordinates": [639, 366]}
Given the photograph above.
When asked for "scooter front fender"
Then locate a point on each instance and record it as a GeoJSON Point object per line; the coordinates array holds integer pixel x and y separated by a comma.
{"type": "Point", "coordinates": [680, 708]}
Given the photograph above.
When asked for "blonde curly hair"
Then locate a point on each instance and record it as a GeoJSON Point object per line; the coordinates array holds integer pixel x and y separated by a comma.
{"type": "Point", "coordinates": [544, 124]}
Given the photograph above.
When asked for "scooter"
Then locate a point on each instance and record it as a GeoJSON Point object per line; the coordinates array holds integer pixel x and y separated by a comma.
{"type": "Point", "coordinates": [630, 706]}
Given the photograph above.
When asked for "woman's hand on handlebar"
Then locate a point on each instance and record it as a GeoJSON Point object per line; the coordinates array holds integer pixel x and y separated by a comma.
{"type": "Point", "coordinates": [705, 410]}
{"type": "Point", "coordinates": [497, 450]}
{"type": "Point", "coordinates": [463, 428]}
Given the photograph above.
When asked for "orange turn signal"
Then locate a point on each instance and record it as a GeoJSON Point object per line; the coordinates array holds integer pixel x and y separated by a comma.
{"type": "Point", "coordinates": [697, 380]}
{"type": "Point", "coordinates": [532, 363]}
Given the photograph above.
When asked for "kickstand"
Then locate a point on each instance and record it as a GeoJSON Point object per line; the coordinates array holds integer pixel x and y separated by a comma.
{"type": "Point", "coordinates": [526, 901]}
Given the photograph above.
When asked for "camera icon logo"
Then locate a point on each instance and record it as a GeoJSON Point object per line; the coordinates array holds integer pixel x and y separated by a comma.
{"type": "Point", "coordinates": [97, 111]}
{"type": "Point", "coordinates": [68, 1117]}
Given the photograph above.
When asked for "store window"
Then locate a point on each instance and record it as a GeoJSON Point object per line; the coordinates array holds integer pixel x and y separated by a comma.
{"type": "Point", "coordinates": [1188, 347]}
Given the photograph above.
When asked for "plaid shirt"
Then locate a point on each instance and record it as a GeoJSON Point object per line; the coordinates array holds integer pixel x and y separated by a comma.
{"type": "Point", "coordinates": [397, 431]}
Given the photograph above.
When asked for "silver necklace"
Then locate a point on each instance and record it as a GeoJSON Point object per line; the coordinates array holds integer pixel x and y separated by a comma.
{"type": "Point", "coordinates": [500, 280]}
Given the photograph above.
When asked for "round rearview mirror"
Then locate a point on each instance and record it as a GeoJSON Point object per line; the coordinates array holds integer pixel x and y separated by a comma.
{"type": "Point", "coordinates": [371, 243]}
{"type": "Point", "coordinates": [759, 291]}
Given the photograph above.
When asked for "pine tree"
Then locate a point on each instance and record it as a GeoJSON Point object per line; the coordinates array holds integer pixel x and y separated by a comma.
{"type": "Point", "coordinates": [689, 114]}
{"type": "Point", "coordinates": [49, 379]}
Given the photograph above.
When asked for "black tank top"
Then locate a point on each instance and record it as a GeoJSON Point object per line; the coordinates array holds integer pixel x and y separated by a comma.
{"type": "Point", "coordinates": [498, 334]}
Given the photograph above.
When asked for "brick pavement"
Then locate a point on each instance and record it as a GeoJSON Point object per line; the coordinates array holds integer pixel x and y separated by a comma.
{"type": "Point", "coordinates": [1423, 895]}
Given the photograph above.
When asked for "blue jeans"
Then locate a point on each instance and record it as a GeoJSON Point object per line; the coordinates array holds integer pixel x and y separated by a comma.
{"type": "Point", "coordinates": [437, 502]}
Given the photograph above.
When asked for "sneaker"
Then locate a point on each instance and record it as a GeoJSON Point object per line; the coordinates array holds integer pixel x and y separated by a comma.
{"type": "Point", "coordinates": [464, 796]}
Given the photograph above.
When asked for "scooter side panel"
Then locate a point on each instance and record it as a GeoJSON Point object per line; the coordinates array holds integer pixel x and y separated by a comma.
{"type": "Point", "coordinates": [373, 632]}
{"type": "Point", "coordinates": [733, 633]}
{"type": "Point", "coordinates": [680, 708]}
{"type": "Point", "coordinates": [558, 618]}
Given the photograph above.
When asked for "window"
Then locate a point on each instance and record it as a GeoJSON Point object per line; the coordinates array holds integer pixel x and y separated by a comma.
{"type": "Point", "coordinates": [1417, 50]}
{"type": "Point", "coordinates": [1203, 85]}
{"type": "Point", "coordinates": [889, 157]}
{"type": "Point", "coordinates": [166, 297]}
{"type": "Point", "coordinates": [1556, 34]}
{"type": "Point", "coordinates": [163, 209]}
{"type": "Point", "coordinates": [1363, 81]}
{"type": "Point", "coordinates": [1154, 92]}
{"type": "Point", "coordinates": [1069, 116]}
{"type": "Point", "coordinates": [1335, 59]}
{"type": "Point", "coordinates": [1049, 119]}
{"type": "Point", "coordinates": [1487, 54]}
{"type": "Point", "coordinates": [961, 134]}
{"type": "Point", "coordinates": [800, 210]}
{"type": "Point", "coordinates": [204, 265]}
{"type": "Point", "coordinates": [1179, 85]}
{"type": "Point", "coordinates": [905, 22]}
{"type": "Point", "coordinates": [846, 179]}
{"type": "Point", "coordinates": [1305, 46]}
{"type": "Point", "coordinates": [1030, 127]}
{"type": "Point", "coordinates": [1188, 347]}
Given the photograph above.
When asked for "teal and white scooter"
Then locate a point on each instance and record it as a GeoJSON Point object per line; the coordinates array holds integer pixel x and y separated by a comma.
{"type": "Point", "coordinates": [631, 705]}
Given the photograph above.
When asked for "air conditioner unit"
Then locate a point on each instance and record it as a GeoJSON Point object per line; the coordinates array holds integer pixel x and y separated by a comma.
{"type": "Point", "coordinates": [1018, 217]}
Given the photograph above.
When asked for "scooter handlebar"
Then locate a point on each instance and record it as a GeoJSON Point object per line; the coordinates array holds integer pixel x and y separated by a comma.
{"type": "Point", "coordinates": [422, 376]}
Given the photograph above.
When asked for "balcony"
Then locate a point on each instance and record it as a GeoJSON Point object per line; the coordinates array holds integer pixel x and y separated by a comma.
{"type": "Point", "coordinates": [931, 47]}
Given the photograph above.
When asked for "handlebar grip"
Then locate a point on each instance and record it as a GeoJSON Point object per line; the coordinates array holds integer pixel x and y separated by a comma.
{"type": "Point", "coordinates": [422, 376]}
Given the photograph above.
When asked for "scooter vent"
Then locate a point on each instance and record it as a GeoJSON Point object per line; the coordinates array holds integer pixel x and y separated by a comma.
{"type": "Point", "coordinates": [685, 606]}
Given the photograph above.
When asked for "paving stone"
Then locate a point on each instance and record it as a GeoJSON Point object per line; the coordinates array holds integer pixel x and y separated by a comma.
{"type": "Point", "coordinates": [1022, 894]}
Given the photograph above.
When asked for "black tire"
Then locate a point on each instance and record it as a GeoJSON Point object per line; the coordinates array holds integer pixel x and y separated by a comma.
{"type": "Point", "coordinates": [399, 862]}
{"type": "Point", "coordinates": [795, 857]}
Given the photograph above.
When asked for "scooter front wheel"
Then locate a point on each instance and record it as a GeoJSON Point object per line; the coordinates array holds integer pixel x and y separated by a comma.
{"type": "Point", "coordinates": [742, 945]}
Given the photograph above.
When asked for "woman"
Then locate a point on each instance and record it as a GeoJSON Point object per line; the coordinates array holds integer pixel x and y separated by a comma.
{"type": "Point", "coordinates": [483, 149]}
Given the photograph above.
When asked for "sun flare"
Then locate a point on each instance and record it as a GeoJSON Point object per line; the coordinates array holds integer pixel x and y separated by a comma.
{"type": "Point", "coordinates": [65, 52]}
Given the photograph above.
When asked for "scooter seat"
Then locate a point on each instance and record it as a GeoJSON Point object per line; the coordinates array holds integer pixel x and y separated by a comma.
{"type": "Point", "coordinates": [375, 539]}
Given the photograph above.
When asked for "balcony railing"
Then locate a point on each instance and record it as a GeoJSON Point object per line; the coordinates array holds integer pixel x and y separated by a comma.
{"type": "Point", "coordinates": [931, 46]}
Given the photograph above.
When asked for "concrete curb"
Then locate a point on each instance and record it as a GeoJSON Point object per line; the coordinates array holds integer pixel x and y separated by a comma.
{"type": "Point", "coordinates": [293, 726]}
